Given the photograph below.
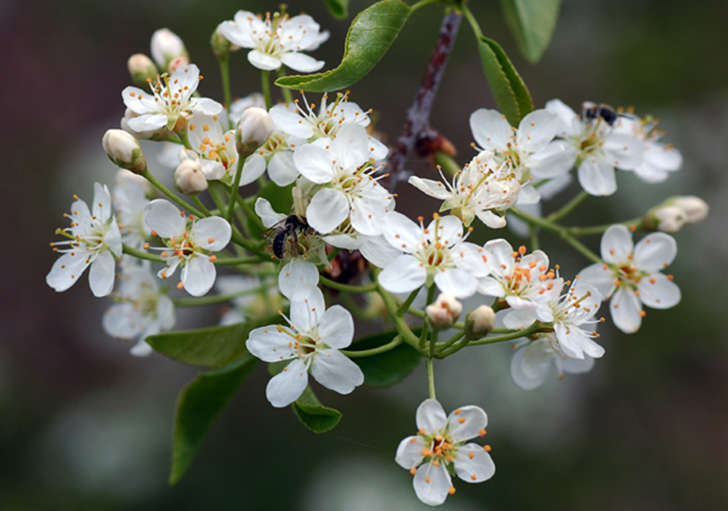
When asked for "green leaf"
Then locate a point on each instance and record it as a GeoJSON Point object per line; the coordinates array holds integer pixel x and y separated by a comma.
{"type": "Point", "coordinates": [209, 347]}
{"type": "Point", "coordinates": [387, 368]}
{"type": "Point", "coordinates": [510, 93]}
{"type": "Point", "coordinates": [369, 37]}
{"type": "Point", "coordinates": [532, 23]}
{"type": "Point", "coordinates": [315, 416]}
{"type": "Point", "coordinates": [199, 405]}
{"type": "Point", "coordinates": [338, 8]}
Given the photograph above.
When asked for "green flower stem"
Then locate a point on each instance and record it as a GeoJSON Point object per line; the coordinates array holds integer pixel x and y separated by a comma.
{"type": "Point", "coordinates": [561, 231]}
{"type": "Point", "coordinates": [185, 139]}
{"type": "Point", "coordinates": [408, 302]}
{"type": "Point", "coordinates": [171, 195]}
{"type": "Point", "coordinates": [141, 255]}
{"type": "Point", "coordinates": [430, 378]}
{"type": "Point", "coordinates": [533, 237]}
{"type": "Point", "coordinates": [633, 224]}
{"type": "Point", "coordinates": [224, 63]}
{"type": "Point", "coordinates": [348, 288]}
{"type": "Point", "coordinates": [197, 202]}
{"type": "Point", "coordinates": [535, 328]}
{"type": "Point", "coordinates": [473, 22]}
{"type": "Point", "coordinates": [237, 236]}
{"type": "Point", "coordinates": [334, 252]}
{"type": "Point", "coordinates": [403, 328]}
{"type": "Point", "coordinates": [234, 189]}
{"type": "Point", "coordinates": [416, 312]}
{"type": "Point", "coordinates": [235, 261]}
{"type": "Point", "coordinates": [449, 165]}
{"type": "Point", "coordinates": [265, 88]}
{"type": "Point", "coordinates": [452, 340]}
{"type": "Point", "coordinates": [215, 299]}
{"type": "Point", "coordinates": [286, 92]}
{"type": "Point", "coordinates": [419, 5]}
{"type": "Point", "coordinates": [568, 207]}
{"type": "Point", "coordinates": [374, 351]}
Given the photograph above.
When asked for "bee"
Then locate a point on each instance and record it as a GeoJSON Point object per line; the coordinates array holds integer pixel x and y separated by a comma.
{"type": "Point", "coordinates": [591, 111]}
{"type": "Point", "coordinates": [284, 236]}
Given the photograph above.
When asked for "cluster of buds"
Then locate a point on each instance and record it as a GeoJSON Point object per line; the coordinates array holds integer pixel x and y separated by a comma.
{"type": "Point", "coordinates": [676, 212]}
{"type": "Point", "coordinates": [444, 311]}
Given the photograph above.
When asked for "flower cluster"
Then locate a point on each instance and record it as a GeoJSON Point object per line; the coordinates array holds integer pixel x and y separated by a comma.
{"type": "Point", "coordinates": [296, 216]}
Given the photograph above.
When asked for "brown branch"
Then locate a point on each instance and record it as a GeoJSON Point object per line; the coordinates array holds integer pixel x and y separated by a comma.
{"type": "Point", "coordinates": [417, 125]}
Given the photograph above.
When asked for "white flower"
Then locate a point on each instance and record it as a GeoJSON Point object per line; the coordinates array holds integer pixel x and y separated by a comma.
{"type": "Point", "coordinates": [350, 191]}
{"type": "Point", "coordinates": [305, 123]}
{"type": "Point", "coordinates": [275, 156]}
{"type": "Point", "coordinates": [658, 160]}
{"type": "Point", "coordinates": [536, 360]}
{"type": "Point", "coordinates": [485, 187]}
{"type": "Point", "coordinates": [573, 317]}
{"type": "Point", "coordinates": [598, 148]}
{"type": "Point", "coordinates": [631, 275]}
{"type": "Point", "coordinates": [171, 98]}
{"type": "Point", "coordinates": [525, 281]}
{"type": "Point", "coordinates": [130, 198]}
{"type": "Point", "coordinates": [213, 147]}
{"type": "Point", "coordinates": [312, 341]}
{"type": "Point", "coordinates": [143, 310]}
{"type": "Point", "coordinates": [442, 442]}
{"type": "Point", "coordinates": [241, 105]}
{"type": "Point", "coordinates": [189, 246]}
{"type": "Point", "coordinates": [276, 41]}
{"type": "Point", "coordinates": [94, 239]}
{"type": "Point", "coordinates": [438, 251]}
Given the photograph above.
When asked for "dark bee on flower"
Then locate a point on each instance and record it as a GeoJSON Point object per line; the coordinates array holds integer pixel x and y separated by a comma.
{"type": "Point", "coordinates": [591, 111]}
{"type": "Point", "coordinates": [283, 237]}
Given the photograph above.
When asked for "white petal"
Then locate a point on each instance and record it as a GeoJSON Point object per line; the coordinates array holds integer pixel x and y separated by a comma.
{"type": "Point", "coordinates": [499, 254]}
{"type": "Point", "coordinates": [537, 129]}
{"type": "Point", "coordinates": [263, 61]}
{"type": "Point", "coordinates": [164, 218]}
{"type": "Point", "coordinates": [281, 168]}
{"type": "Point", "coordinates": [307, 310]}
{"type": "Point", "coordinates": [198, 275]}
{"type": "Point", "coordinates": [287, 120]}
{"type": "Point", "coordinates": [597, 177]}
{"type": "Point", "coordinates": [206, 106]}
{"type": "Point", "coordinates": [518, 319]}
{"type": "Point", "coordinates": [101, 275]}
{"type": "Point", "coordinates": [491, 220]}
{"type": "Point", "coordinates": [314, 163]}
{"type": "Point", "coordinates": [350, 148]}
{"type": "Point", "coordinates": [377, 251]}
{"type": "Point", "coordinates": [327, 210]}
{"type": "Point", "coordinates": [141, 349]}
{"type": "Point", "coordinates": [431, 484]}
{"type": "Point", "coordinates": [528, 195]}
{"type": "Point", "coordinates": [658, 292]}
{"type": "Point", "coordinates": [571, 124]}
{"type": "Point", "coordinates": [147, 122]}
{"type": "Point", "coordinates": [266, 213]}
{"type": "Point", "coordinates": [456, 282]}
{"type": "Point", "coordinates": [430, 187]}
{"type": "Point", "coordinates": [212, 233]}
{"type": "Point", "coordinates": [297, 278]}
{"type": "Point", "coordinates": [616, 244]}
{"type": "Point", "coordinates": [409, 452]}
{"type": "Point", "coordinates": [253, 168]}
{"type": "Point", "coordinates": [288, 385]}
{"type": "Point", "coordinates": [335, 371]}
{"type": "Point", "coordinates": [301, 62]}
{"type": "Point", "coordinates": [490, 129]}
{"type": "Point", "coordinates": [625, 308]}
{"type": "Point", "coordinates": [473, 464]}
{"type": "Point", "coordinates": [623, 151]}
{"type": "Point", "coordinates": [575, 366]}
{"type": "Point", "coordinates": [403, 274]}
{"type": "Point", "coordinates": [449, 230]}
{"type": "Point", "coordinates": [337, 327]}
{"type": "Point", "coordinates": [556, 159]}
{"type": "Point", "coordinates": [367, 212]}
{"type": "Point", "coordinates": [402, 233]}
{"type": "Point", "coordinates": [655, 251]}
{"type": "Point", "coordinates": [599, 277]}
{"type": "Point", "coordinates": [66, 270]}
{"type": "Point", "coordinates": [430, 416]}
{"type": "Point", "coordinates": [101, 207]}
{"type": "Point", "coordinates": [490, 287]}
{"type": "Point", "coordinates": [270, 345]}
{"type": "Point", "coordinates": [123, 321]}
{"type": "Point", "coordinates": [466, 422]}
{"type": "Point", "coordinates": [531, 364]}
{"type": "Point", "coordinates": [666, 158]}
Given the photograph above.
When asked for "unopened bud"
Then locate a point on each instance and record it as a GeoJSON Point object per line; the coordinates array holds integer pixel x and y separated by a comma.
{"type": "Point", "coordinates": [253, 129]}
{"type": "Point", "coordinates": [188, 177]}
{"type": "Point", "coordinates": [444, 311]}
{"type": "Point", "coordinates": [141, 67]}
{"type": "Point", "coordinates": [220, 45]}
{"type": "Point", "coordinates": [178, 62]}
{"type": "Point", "coordinates": [124, 150]}
{"type": "Point", "coordinates": [479, 322]}
{"type": "Point", "coordinates": [166, 46]}
{"type": "Point", "coordinates": [665, 219]}
{"type": "Point", "coordinates": [694, 208]}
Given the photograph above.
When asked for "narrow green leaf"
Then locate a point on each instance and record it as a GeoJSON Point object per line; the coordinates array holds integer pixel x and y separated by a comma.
{"type": "Point", "coordinates": [209, 347]}
{"type": "Point", "coordinates": [388, 368]}
{"type": "Point", "coordinates": [338, 8]}
{"type": "Point", "coordinates": [369, 37]}
{"type": "Point", "coordinates": [199, 405]}
{"type": "Point", "coordinates": [532, 23]}
{"type": "Point", "coordinates": [510, 92]}
{"type": "Point", "coordinates": [315, 416]}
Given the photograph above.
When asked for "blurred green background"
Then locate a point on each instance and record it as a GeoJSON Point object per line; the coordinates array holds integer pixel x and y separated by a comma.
{"type": "Point", "coordinates": [86, 426]}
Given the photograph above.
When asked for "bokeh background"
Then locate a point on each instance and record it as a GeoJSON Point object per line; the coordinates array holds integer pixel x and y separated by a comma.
{"type": "Point", "coordinates": [83, 425]}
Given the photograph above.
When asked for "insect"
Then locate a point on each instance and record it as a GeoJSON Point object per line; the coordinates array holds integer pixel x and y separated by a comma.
{"type": "Point", "coordinates": [285, 234]}
{"type": "Point", "coordinates": [591, 111]}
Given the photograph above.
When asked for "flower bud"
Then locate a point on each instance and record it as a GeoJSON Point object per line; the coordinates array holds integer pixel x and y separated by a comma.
{"type": "Point", "coordinates": [253, 129]}
{"type": "Point", "coordinates": [694, 208]}
{"type": "Point", "coordinates": [444, 311]}
{"type": "Point", "coordinates": [479, 322]}
{"type": "Point", "coordinates": [221, 47]}
{"type": "Point", "coordinates": [141, 67]}
{"type": "Point", "coordinates": [166, 46]}
{"type": "Point", "coordinates": [124, 150]}
{"type": "Point", "coordinates": [188, 177]}
{"type": "Point", "coordinates": [665, 219]}
{"type": "Point", "coordinates": [178, 62]}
